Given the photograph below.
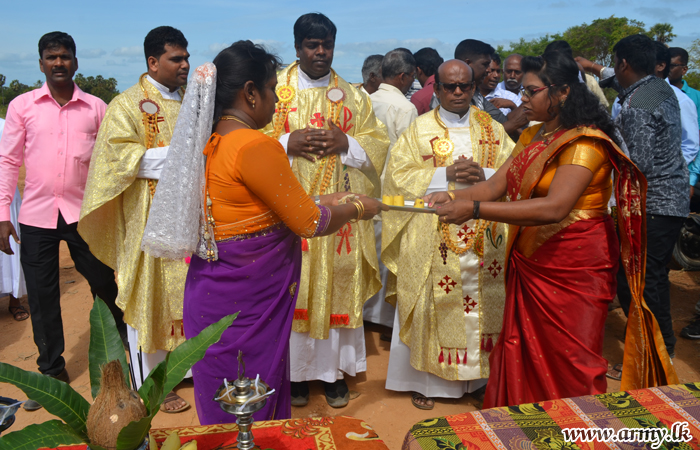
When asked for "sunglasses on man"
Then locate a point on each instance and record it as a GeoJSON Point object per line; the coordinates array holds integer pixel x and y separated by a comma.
{"type": "Point", "coordinates": [452, 87]}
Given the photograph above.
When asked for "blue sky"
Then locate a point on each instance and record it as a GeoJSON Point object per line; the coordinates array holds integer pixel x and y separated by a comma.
{"type": "Point", "coordinates": [109, 35]}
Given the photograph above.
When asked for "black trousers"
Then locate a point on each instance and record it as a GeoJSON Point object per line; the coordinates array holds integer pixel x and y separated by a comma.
{"type": "Point", "coordinates": [662, 234]}
{"type": "Point", "coordinates": [39, 257]}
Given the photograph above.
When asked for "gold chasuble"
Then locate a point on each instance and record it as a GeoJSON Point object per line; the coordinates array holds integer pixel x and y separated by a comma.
{"type": "Point", "coordinates": [339, 272]}
{"type": "Point", "coordinates": [115, 210]}
{"type": "Point", "coordinates": [448, 281]}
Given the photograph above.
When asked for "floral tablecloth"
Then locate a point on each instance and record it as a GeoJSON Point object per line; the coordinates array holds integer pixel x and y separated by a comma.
{"type": "Point", "coordinates": [538, 426]}
{"type": "Point", "coordinates": [325, 433]}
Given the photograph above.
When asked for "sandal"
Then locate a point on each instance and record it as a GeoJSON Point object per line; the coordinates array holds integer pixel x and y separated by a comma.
{"type": "Point", "coordinates": [337, 394]}
{"type": "Point", "coordinates": [19, 312]}
{"type": "Point", "coordinates": [417, 398]}
{"type": "Point", "coordinates": [615, 372]}
{"type": "Point", "coordinates": [171, 397]}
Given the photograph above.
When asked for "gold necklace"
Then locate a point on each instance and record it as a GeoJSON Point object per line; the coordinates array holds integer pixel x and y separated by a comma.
{"type": "Point", "coordinates": [232, 117]}
{"type": "Point", "coordinates": [443, 147]}
{"type": "Point", "coordinates": [544, 135]}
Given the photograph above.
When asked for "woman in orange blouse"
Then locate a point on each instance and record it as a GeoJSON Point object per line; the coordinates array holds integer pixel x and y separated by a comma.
{"type": "Point", "coordinates": [562, 247]}
{"type": "Point", "coordinates": [259, 214]}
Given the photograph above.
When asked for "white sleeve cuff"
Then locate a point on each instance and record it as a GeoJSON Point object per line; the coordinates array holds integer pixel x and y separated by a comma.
{"type": "Point", "coordinates": [152, 163]}
{"type": "Point", "coordinates": [355, 156]}
{"type": "Point", "coordinates": [284, 140]}
{"type": "Point", "coordinates": [488, 173]}
{"type": "Point", "coordinates": [439, 181]}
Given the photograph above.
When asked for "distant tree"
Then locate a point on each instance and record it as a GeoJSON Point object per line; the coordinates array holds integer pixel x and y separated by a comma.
{"type": "Point", "coordinates": [532, 47]}
{"type": "Point", "coordinates": [595, 41]}
{"type": "Point", "coordinates": [104, 88]}
{"type": "Point", "coordinates": [693, 76]}
{"type": "Point", "coordinates": [662, 32]}
{"type": "Point", "coordinates": [2, 90]}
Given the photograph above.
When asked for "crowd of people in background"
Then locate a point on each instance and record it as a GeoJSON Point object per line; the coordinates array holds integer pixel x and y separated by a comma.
{"type": "Point", "coordinates": [254, 187]}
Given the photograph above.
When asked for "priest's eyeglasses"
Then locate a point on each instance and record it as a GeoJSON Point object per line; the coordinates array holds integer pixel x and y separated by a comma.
{"type": "Point", "coordinates": [529, 93]}
{"type": "Point", "coordinates": [451, 87]}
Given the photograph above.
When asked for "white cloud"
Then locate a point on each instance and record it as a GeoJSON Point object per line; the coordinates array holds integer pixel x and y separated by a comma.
{"type": "Point", "coordinates": [128, 51]}
{"type": "Point", "coordinates": [18, 57]}
{"type": "Point", "coordinates": [91, 53]}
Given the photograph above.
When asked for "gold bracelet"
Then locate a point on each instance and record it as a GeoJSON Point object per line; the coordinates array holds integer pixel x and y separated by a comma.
{"type": "Point", "coordinates": [358, 212]}
{"type": "Point", "coordinates": [451, 194]}
{"type": "Point", "coordinates": [361, 206]}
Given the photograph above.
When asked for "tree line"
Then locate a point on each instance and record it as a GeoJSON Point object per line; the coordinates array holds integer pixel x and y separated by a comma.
{"type": "Point", "coordinates": [104, 88]}
{"type": "Point", "coordinates": [596, 40]}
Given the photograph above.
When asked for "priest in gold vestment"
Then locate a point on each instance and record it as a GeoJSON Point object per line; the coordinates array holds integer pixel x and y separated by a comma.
{"type": "Point", "coordinates": [129, 154]}
{"type": "Point", "coordinates": [335, 143]}
{"type": "Point", "coordinates": [448, 280]}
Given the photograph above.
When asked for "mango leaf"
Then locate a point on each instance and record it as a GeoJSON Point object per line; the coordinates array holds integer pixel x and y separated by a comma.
{"type": "Point", "coordinates": [191, 351]}
{"type": "Point", "coordinates": [55, 396]}
{"type": "Point", "coordinates": [133, 434]}
{"type": "Point", "coordinates": [48, 434]}
{"type": "Point", "coordinates": [152, 388]}
{"type": "Point", "coordinates": [105, 345]}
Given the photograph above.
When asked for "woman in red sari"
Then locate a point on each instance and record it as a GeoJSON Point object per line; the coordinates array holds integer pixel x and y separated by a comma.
{"type": "Point", "coordinates": [562, 249]}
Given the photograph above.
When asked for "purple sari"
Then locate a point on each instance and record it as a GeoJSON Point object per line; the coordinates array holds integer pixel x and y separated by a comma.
{"type": "Point", "coordinates": [259, 277]}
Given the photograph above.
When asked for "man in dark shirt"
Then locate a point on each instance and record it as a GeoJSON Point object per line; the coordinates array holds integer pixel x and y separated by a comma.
{"type": "Point", "coordinates": [650, 123]}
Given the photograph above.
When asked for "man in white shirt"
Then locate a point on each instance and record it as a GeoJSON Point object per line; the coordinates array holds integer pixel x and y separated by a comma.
{"type": "Point", "coordinates": [512, 74]}
{"type": "Point", "coordinates": [371, 74]}
{"type": "Point", "coordinates": [490, 88]}
{"type": "Point", "coordinates": [396, 112]}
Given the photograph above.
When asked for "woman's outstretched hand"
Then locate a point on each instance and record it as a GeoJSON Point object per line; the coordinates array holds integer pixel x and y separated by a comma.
{"type": "Point", "coordinates": [372, 206]}
{"type": "Point", "coordinates": [436, 199]}
{"type": "Point", "coordinates": [456, 212]}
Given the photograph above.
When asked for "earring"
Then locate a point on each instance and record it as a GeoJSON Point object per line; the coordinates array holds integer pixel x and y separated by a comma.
{"type": "Point", "coordinates": [252, 102]}
{"type": "Point", "coordinates": [562, 101]}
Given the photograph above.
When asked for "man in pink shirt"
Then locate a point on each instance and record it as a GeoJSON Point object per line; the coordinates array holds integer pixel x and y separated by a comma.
{"type": "Point", "coordinates": [427, 62]}
{"type": "Point", "coordinates": [53, 130]}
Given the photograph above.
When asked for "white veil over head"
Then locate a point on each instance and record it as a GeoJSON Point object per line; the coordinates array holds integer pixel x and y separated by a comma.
{"type": "Point", "coordinates": [177, 224]}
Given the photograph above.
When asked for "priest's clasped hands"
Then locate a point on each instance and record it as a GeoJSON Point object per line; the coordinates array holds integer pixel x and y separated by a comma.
{"type": "Point", "coordinates": [315, 143]}
{"type": "Point", "coordinates": [465, 171]}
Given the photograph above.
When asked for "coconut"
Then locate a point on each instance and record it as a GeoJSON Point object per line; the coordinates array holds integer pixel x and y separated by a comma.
{"type": "Point", "coordinates": [114, 408]}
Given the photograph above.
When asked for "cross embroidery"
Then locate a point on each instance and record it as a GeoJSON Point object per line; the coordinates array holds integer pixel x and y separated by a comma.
{"type": "Point", "coordinates": [347, 117]}
{"type": "Point", "coordinates": [428, 157]}
{"type": "Point", "coordinates": [483, 142]}
{"type": "Point", "coordinates": [465, 232]}
{"type": "Point", "coordinates": [447, 284]}
{"type": "Point", "coordinates": [469, 304]}
{"type": "Point", "coordinates": [160, 119]}
{"type": "Point", "coordinates": [495, 268]}
{"type": "Point", "coordinates": [318, 120]}
{"type": "Point", "coordinates": [345, 235]}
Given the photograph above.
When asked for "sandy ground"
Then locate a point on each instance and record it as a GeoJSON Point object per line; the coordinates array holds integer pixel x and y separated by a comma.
{"type": "Point", "coordinates": [389, 413]}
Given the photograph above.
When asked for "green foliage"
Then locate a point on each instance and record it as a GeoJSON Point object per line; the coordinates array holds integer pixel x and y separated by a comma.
{"type": "Point", "coordinates": [532, 47]}
{"type": "Point", "coordinates": [104, 88]}
{"type": "Point", "coordinates": [105, 345]}
{"type": "Point", "coordinates": [61, 400]}
{"type": "Point", "coordinates": [596, 40]}
{"type": "Point", "coordinates": [55, 396]}
{"type": "Point", "coordinates": [48, 434]}
{"type": "Point", "coordinates": [662, 32]}
{"type": "Point", "coordinates": [693, 80]}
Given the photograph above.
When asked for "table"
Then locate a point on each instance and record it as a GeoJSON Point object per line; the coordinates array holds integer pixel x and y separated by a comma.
{"type": "Point", "coordinates": [323, 433]}
{"type": "Point", "coordinates": [538, 426]}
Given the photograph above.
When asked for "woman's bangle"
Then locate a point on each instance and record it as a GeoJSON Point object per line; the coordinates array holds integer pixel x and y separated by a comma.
{"type": "Point", "coordinates": [360, 210]}
{"type": "Point", "coordinates": [476, 210]}
{"type": "Point", "coordinates": [451, 194]}
{"type": "Point", "coordinates": [317, 199]}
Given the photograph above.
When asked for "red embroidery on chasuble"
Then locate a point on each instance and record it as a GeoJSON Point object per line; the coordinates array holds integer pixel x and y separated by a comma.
{"type": "Point", "coordinates": [347, 117]}
{"type": "Point", "coordinates": [340, 319]}
{"type": "Point", "coordinates": [301, 314]}
{"type": "Point", "coordinates": [318, 120]}
{"type": "Point", "coordinates": [345, 235]}
{"type": "Point", "coordinates": [469, 304]}
{"type": "Point", "coordinates": [447, 284]}
{"type": "Point", "coordinates": [495, 268]}
{"type": "Point", "coordinates": [485, 142]}
{"type": "Point", "coordinates": [465, 232]}
{"type": "Point", "coordinates": [286, 120]}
